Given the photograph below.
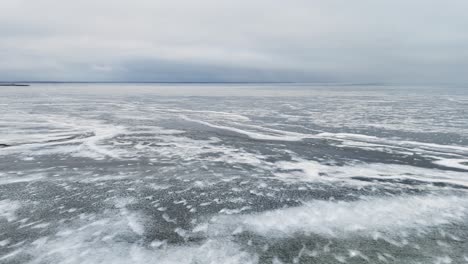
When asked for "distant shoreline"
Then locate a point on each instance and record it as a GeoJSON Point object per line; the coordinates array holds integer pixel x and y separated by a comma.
{"type": "Point", "coordinates": [13, 84]}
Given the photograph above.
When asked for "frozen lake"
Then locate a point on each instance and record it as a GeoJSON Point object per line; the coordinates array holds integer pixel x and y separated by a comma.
{"type": "Point", "coordinates": [266, 173]}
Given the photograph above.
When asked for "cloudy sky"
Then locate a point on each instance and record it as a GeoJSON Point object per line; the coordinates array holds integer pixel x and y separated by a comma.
{"type": "Point", "coordinates": [414, 41]}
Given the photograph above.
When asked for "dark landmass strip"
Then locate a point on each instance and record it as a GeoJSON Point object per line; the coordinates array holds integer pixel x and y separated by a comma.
{"type": "Point", "coordinates": [13, 84]}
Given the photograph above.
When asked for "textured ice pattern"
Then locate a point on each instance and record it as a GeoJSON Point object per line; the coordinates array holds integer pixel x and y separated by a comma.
{"type": "Point", "coordinates": [96, 173]}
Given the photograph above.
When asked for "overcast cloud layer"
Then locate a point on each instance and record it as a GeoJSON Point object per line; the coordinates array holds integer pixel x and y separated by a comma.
{"type": "Point", "coordinates": [418, 41]}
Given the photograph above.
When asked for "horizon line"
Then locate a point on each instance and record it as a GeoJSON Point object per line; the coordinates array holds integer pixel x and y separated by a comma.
{"type": "Point", "coordinates": [237, 82]}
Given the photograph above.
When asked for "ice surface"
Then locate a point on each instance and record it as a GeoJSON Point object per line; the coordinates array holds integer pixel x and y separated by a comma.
{"type": "Point", "coordinates": [111, 173]}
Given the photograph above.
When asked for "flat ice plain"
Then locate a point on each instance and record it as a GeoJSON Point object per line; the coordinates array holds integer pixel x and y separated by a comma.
{"type": "Point", "coordinates": [212, 173]}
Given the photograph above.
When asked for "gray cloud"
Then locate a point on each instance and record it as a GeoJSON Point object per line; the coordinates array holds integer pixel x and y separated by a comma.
{"type": "Point", "coordinates": [224, 40]}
